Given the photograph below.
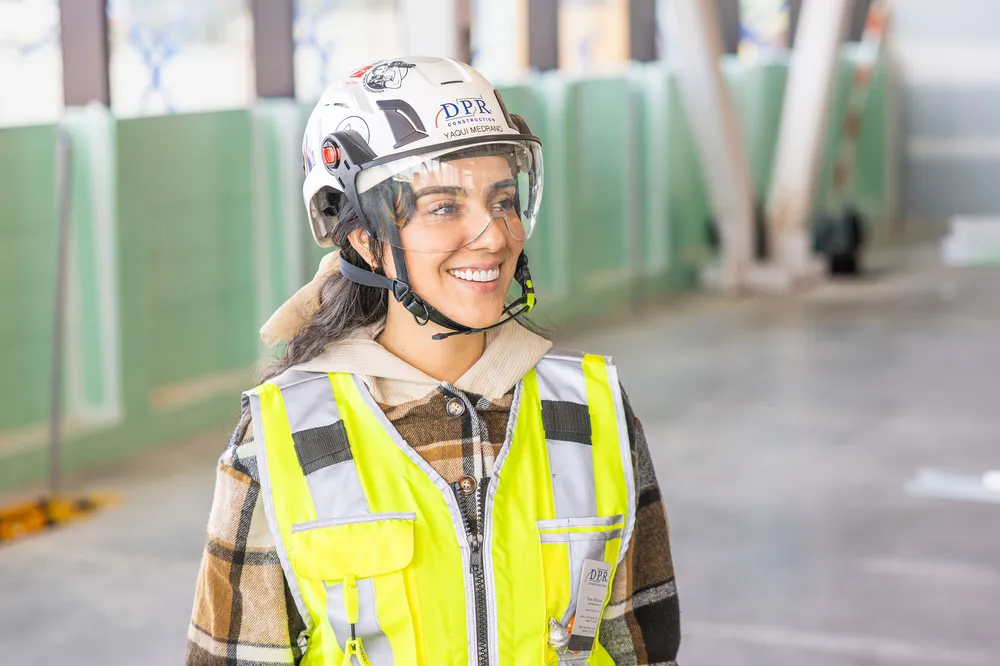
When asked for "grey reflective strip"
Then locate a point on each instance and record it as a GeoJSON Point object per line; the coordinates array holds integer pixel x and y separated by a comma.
{"type": "Point", "coordinates": [456, 514]}
{"type": "Point", "coordinates": [565, 355]}
{"type": "Point", "coordinates": [563, 391]}
{"type": "Point", "coordinates": [291, 377]}
{"type": "Point", "coordinates": [626, 450]}
{"type": "Point", "coordinates": [321, 444]}
{"type": "Point", "coordinates": [572, 469]}
{"type": "Point", "coordinates": [376, 643]}
{"type": "Point", "coordinates": [573, 537]}
{"type": "Point", "coordinates": [321, 447]}
{"type": "Point", "coordinates": [567, 421]}
{"type": "Point", "coordinates": [352, 520]}
{"type": "Point", "coordinates": [563, 523]}
{"type": "Point", "coordinates": [310, 403]}
{"type": "Point", "coordinates": [267, 494]}
{"type": "Point", "coordinates": [336, 491]}
{"type": "Point", "coordinates": [561, 380]}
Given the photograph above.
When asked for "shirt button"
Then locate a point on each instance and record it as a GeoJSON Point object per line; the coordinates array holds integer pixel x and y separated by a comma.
{"type": "Point", "coordinates": [467, 484]}
{"type": "Point", "coordinates": [455, 407]}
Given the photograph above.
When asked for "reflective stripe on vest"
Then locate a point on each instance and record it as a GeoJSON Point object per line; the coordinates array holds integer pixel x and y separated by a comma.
{"type": "Point", "coordinates": [369, 534]}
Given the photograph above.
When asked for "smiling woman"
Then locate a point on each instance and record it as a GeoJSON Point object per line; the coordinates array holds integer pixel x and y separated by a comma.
{"type": "Point", "coordinates": [420, 479]}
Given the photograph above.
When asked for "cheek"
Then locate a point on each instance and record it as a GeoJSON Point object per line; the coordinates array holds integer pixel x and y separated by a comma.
{"type": "Point", "coordinates": [426, 272]}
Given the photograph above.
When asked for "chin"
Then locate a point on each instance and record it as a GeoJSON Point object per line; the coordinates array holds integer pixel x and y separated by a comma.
{"type": "Point", "coordinates": [476, 318]}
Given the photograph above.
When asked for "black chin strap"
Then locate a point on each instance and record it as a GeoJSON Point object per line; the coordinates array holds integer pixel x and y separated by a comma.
{"type": "Point", "coordinates": [422, 312]}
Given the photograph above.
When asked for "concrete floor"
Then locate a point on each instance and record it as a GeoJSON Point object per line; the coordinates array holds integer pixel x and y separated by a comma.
{"type": "Point", "coordinates": [784, 433]}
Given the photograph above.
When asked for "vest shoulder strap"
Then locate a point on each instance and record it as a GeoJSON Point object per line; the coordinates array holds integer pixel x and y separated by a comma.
{"type": "Point", "coordinates": [582, 404]}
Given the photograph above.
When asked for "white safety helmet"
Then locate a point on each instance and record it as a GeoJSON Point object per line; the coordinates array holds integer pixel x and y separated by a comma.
{"type": "Point", "coordinates": [375, 136]}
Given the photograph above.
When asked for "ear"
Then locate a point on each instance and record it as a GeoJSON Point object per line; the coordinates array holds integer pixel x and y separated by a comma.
{"type": "Point", "coordinates": [359, 239]}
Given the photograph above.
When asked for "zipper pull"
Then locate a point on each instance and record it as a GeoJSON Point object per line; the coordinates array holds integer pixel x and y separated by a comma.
{"type": "Point", "coordinates": [354, 648]}
{"type": "Point", "coordinates": [476, 558]}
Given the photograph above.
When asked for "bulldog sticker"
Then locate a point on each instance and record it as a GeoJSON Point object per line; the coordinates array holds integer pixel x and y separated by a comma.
{"type": "Point", "coordinates": [386, 76]}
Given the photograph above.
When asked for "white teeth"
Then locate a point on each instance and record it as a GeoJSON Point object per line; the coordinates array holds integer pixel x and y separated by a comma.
{"type": "Point", "coordinates": [477, 276]}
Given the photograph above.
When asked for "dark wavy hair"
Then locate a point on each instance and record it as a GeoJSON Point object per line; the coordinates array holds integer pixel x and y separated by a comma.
{"type": "Point", "coordinates": [344, 306]}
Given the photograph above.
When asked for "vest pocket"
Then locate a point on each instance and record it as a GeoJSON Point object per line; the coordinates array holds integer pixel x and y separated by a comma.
{"type": "Point", "coordinates": [360, 561]}
{"type": "Point", "coordinates": [566, 543]}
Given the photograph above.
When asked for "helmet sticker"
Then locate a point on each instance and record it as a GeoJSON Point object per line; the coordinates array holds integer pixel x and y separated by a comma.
{"type": "Point", "coordinates": [307, 159]}
{"type": "Point", "coordinates": [463, 111]}
{"type": "Point", "coordinates": [386, 76]}
{"type": "Point", "coordinates": [357, 74]}
{"type": "Point", "coordinates": [356, 123]}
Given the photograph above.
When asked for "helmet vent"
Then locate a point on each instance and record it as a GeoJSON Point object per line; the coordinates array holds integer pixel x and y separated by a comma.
{"type": "Point", "coordinates": [445, 83]}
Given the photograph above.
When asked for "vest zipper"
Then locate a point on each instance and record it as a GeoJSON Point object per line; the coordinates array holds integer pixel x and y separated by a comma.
{"type": "Point", "coordinates": [479, 582]}
{"type": "Point", "coordinates": [472, 514]}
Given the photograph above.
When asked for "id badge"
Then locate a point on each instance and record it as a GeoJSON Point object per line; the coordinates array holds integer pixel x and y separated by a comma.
{"type": "Point", "coordinates": [594, 581]}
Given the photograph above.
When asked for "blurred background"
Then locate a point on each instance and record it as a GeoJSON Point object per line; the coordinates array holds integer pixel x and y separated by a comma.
{"type": "Point", "coordinates": [780, 216]}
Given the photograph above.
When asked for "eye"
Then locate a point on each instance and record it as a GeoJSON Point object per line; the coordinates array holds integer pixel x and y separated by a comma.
{"type": "Point", "coordinates": [506, 203]}
{"type": "Point", "coordinates": [443, 208]}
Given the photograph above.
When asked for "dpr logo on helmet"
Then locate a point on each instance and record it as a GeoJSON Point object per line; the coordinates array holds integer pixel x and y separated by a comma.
{"type": "Point", "coordinates": [464, 110]}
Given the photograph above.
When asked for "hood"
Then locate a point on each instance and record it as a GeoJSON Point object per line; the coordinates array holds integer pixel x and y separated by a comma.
{"type": "Point", "coordinates": [511, 351]}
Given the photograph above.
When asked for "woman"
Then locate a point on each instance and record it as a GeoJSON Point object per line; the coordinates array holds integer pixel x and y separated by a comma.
{"type": "Point", "coordinates": [421, 480]}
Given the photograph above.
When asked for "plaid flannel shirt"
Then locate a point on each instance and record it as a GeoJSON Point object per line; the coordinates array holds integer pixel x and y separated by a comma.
{"type": "Point", "coordinates": [244, 614]}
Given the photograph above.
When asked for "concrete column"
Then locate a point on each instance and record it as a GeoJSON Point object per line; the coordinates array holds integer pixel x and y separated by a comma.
{"type": "Point", "coordinates": [437, 27]}
{"type": "Point", "coordinates": [801, 135]}
{"type": "Point", "coordinates": [274, 48]}
{"type": "Point", "coordinates": [696, 48]}
{"type": "Point", "coordinates": [84, 28]}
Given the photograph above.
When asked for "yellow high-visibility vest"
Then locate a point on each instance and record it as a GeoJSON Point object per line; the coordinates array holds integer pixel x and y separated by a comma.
{"type": "Point", "coordinates": [375, 546]}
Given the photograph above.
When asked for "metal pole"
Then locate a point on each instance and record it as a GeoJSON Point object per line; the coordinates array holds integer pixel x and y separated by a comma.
{"type": "Point", "coordinates": [63, 182]}
{"type": "Point", "coordinates": [83, 34]}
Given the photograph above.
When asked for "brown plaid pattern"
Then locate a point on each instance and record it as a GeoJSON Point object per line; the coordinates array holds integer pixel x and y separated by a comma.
{"type": "Point", "coordinates": [243, 612]}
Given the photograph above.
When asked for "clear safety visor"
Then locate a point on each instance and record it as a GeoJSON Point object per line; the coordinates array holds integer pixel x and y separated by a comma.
{"type": "Point", "coordinates": [443, 201]}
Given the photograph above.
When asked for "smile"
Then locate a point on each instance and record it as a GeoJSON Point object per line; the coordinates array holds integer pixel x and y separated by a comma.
{"type": "Point", "coordinates": [470, 275]}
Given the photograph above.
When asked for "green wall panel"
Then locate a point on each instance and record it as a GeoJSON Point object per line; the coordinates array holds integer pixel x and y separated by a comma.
{"type": "Point", "coordinates": [186, 220]}
{"type": "Point", "coordinates": [27, 271]}
{"type": "Point", "coordinates": [597, 163]}
{"type": "Point", "coordinates": [529, 102]}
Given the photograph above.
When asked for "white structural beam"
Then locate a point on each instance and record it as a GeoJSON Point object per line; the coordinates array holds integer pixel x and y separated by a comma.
{"type": "Point", "coordinates": [696, 50]}
{"type": "Point", "coordinates": [437, 27]}
{"type": "Point", "coordinates": [804, 118]}
{"type": "Point", "coordinates": [506, 59]}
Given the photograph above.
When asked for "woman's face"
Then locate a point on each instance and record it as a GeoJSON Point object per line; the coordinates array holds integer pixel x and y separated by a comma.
{"type": "Point", "coordinates": [453, 204]}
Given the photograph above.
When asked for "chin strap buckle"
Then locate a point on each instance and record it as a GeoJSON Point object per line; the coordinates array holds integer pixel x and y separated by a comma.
{"type": "Point", "coordinates": [413, 303]}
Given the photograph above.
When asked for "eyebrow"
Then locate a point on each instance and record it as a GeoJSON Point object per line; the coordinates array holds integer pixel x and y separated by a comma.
{"type": "Point", "coordinates": [455, 190]}
{"type": "Point", "coordinates": [502, 185]}
{"type": "Point", "coordinates": [439, 189]}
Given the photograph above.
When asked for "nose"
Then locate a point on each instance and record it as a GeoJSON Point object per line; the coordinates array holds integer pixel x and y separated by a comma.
{"type": "Point", "coordinates": [494, 235]}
